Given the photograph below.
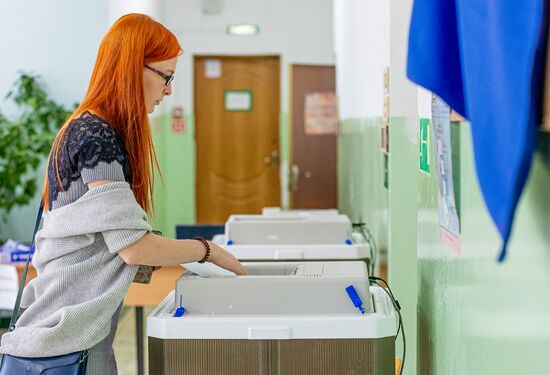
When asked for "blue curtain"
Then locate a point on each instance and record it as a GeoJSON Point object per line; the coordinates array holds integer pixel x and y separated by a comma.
{"type": "Point", "coordinates": [486, 58]}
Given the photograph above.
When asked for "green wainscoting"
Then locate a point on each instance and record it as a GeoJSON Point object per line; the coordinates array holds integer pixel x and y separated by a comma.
{"type": "Point", "coordinates": [476, 316]}
{"type": "Point", "coordinates": [174, 195]}
{"type": "Point", "coordinates": [361, 192]}
{"type": "Point", "coordinates": [403, 169]}
{"type": "Point", "coordinates": [390, 213]}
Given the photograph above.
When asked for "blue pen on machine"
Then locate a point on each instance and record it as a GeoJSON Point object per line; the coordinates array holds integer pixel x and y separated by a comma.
{"type": "Point", "coordinates": [180, 310]}
{"type": "Point", "coordinates": [354, 296]}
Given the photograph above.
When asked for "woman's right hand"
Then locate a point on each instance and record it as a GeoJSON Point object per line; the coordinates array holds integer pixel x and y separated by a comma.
{"type": "Point", "coordinates": [225, 259]}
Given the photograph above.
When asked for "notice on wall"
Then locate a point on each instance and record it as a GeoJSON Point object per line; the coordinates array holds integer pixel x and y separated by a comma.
{"type": "Point", "coordinates": [385, 129]}
{"type": "Point", "coordinates": [321, 113]}
{"type": "Point", "coordinates": [424, 143]}
{"type": "Point", "coordinates": [178, 122]}
{"type": "Point", "coordinates": [448, 216]}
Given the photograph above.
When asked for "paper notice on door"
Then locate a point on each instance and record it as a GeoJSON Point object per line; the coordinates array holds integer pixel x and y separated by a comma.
{"type": "Point", "coordinates": [238, 100]}
{"type": "Point", "coordinates": [321, 113]}
{"type": "Point", "coordinates": [449, 222]}
{"type": "Point", "coordinates": [9, 285]}
{"type": "Point", "coordinates": [213, 68]}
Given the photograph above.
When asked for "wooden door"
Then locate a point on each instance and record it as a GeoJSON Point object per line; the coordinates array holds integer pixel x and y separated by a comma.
{"type": "Point", "coordinates": [237, 135]}
{"type": "Point", "coordinates": [313, 156]}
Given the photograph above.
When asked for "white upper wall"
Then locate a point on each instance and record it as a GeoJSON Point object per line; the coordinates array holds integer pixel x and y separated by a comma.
{"type": "Point", "coordinates": [118, 8]}
{"type": "Point", "coordinates": [59, 39]}
{"type": "Point", "coordinates": [300, 31]}
{"type": "Point", "coordinates": [361, 33]}
{"type": "Point", "coordinates": [56, 39]}
{"type": "Point", "coordinates": [403, 101]}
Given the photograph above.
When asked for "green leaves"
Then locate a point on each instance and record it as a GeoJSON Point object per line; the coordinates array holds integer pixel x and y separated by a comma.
{"type": "Point", "coordinates": [25, 141]}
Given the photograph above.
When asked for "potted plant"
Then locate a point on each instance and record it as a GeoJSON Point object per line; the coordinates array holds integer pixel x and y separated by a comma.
{"type": "Point", "coordinates": [26, 141]}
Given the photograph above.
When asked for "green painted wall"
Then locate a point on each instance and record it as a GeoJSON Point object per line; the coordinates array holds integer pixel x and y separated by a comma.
{"type": "Point", "coordinates": [473, 315]}
{"type": "Point", "coordinates": [402, 232]}
{"type": "Point", "coordinates": [476, 316]}
{"type": "Point", "coordinates": [390, 213]}
{"type": "Point", "coordinates": [361, 192]}
{"type": "Point", "coordinates": [284, 147]}
{"type": "Point", "coordinates": [174, 195]}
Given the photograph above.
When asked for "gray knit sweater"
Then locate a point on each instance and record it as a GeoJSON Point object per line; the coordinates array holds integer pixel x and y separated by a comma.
{"type": "Point", "coordinates": [82, 281]}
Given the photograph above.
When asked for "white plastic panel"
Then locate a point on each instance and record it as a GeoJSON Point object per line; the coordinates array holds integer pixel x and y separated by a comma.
{"type": "Point", "coordinates": [285, 230]}
{"type": "Point", "coordinates": [383, 323]}
{"type": "Point", "coordinates": [277, 288]}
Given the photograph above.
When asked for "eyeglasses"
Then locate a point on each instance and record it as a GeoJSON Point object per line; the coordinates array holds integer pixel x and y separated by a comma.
{"type": "Point", "coordinates": [167, 78]}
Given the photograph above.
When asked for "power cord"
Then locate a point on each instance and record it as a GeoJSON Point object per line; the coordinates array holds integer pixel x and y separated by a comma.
{"type": "Point", "coordinates": [369, 238]}
{"type": "Point", "coordinates": [400, 327]}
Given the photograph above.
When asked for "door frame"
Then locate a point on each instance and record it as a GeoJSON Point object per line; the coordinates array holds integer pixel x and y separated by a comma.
{"type": "Point", "coordinates": [222, 56]}
{"type": "Point", "coordinates": [289, 192]}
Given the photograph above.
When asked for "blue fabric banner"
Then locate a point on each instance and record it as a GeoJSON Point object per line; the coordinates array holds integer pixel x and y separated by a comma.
{"type": "Point", "coordinates": [486, 60]}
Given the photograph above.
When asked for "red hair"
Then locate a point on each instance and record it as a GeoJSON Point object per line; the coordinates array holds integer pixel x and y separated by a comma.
{"type": "Point", "coordinates": [116, 94]}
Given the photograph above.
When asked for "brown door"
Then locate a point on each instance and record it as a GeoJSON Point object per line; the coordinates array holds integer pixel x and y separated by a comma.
{"type": "Point", "coordinates": [313, 152]}
{"type": "Point", "coordinates": [237, 135]}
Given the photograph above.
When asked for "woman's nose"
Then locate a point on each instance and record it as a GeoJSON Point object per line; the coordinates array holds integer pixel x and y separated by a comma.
{"type": "Point", "coordinates": [167, 89]}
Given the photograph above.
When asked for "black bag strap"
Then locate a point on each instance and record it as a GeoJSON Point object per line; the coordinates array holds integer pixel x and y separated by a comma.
{"type": "Point", "coordinates": [15, 313]}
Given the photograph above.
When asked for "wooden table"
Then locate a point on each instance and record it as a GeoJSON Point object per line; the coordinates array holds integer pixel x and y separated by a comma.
{"type": "Point", "coordinates": [138, 296]}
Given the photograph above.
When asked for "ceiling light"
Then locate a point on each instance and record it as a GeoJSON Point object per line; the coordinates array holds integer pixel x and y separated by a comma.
{"type": "Point", "coordinates": [243, 29]}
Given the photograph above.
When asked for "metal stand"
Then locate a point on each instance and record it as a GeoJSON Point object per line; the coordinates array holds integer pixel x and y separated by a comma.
{"type": "Point", "coordinates": [139, 339]}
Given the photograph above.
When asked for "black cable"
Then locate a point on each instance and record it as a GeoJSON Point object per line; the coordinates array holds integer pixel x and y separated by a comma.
{"type": "Point", "coordinates": [369, 238]}
{"type": "Point", "coordinates": [373, 246]}
{"type": "Point", "coordinates": [397, 306]}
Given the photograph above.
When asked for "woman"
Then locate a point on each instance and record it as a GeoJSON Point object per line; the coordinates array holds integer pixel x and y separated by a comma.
{"type": "Point", "coordinates": [97, 191]}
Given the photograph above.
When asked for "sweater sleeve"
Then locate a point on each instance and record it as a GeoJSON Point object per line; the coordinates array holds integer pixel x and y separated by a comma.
{"type": "Point", "coordinates": [120, 239]}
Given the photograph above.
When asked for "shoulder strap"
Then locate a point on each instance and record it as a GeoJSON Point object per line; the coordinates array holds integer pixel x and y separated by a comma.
{"type": "Point", "coordinates": [15, 313]}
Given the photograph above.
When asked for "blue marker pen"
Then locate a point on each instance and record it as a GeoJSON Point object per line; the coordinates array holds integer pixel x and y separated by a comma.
{"type": "Point", "coordinates": [352, 293]}
{"type": "Point", "coordinates": [180, 310]}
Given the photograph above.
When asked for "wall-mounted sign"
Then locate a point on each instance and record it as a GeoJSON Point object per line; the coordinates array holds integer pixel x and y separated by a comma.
{"type": "Point", "coordinates": [424, 143]}
{"type": "Point", "coordinates": [321, 113]}
{"type": "Point", "coordinates": [385, 128]}
{"type": "Point", "coordinates": [178, 122]}
{"type": "Point", "coordinates": [237, 100]}
{"type": "Point", "coordinates": [213, 68]}
{"type": "Point", "coordinates": [449, 222]}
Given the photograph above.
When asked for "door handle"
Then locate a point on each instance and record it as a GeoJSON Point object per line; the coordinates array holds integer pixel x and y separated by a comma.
{"type": "Point", "coordinates": [294, 177]}
{"type": "Point", "coordinates": [272, 159]}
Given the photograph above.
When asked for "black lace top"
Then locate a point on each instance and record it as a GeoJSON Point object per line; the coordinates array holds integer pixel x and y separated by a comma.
{"type": "Point", "coordinates": [88, 141]}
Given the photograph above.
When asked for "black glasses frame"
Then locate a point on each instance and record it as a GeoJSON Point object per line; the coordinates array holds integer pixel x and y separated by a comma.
{"type": "Point", "coordinates": [167, 78]}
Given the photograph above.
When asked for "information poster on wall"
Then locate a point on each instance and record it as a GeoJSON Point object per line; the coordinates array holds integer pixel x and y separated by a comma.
{"type": "Point", "coordinates": [449, 222]}
{"type": "Point", "coordinates": [178, 122]}
{"type": "Point", "coordinates": [321, 113]}
{"type": "Point", "coordinates": [384, 129]}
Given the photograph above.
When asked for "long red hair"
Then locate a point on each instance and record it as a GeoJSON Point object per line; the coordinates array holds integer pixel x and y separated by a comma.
{"type": "Point", "coordinates": [116, 94]}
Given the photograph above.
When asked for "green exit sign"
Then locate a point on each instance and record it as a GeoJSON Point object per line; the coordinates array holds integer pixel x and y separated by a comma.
{"type": "Point", "coordinates": [424, 143]}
